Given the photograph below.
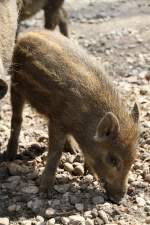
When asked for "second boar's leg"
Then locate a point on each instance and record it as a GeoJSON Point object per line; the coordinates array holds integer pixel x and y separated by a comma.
{"type": "Point", "coordinates": [63, 22]}
{"type": "Point", "coordinates": [17, 103]}
{"type": "Point", "coordinates": [51, 17]}
{"type": "Point", "coordinates": [56, 144]}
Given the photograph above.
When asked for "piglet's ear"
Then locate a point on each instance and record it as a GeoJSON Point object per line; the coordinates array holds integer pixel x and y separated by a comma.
{"type": "Point", "coordinates": [135, 113]}
{"type": "Point", "coordinates": [108, 127]}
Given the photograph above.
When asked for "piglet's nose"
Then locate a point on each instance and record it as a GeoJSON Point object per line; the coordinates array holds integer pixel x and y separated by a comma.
{"type": "Point", "coordinates": [3, 88]}
{"type": "Point", "coordinates": [116, 198]}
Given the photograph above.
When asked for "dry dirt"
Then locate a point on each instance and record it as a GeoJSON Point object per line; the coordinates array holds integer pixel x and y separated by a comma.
{"type": "Point", "coordinates": [117, 32]}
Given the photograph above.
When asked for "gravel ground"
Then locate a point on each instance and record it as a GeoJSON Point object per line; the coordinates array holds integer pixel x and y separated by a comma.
{"type": "Point", "coordinates": [117, 32]}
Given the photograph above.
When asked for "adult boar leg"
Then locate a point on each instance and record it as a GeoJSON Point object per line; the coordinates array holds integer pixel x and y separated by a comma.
{"type": "Point", "coordinates": [63, 22]}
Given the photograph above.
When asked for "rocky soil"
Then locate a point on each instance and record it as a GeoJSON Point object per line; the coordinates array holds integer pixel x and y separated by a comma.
{"type": "Point", "coordinates": [117, 32]}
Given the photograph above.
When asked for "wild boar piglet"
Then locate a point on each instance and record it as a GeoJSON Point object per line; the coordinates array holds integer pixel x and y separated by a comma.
{"type": "Point", "coordinates": [69, 87]}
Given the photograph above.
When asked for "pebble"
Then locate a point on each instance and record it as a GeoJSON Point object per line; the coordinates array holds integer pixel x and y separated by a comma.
{"type": "Point", "coordinates": [13, 179]}
{"type": "Point", "coordinates": [78, 170]}
{"type": "Point", "coordinates": [49, 212]}
{"type": "Point", "coordinates": [76, 220]}
{"type": "Point", "coordinates": [39, 219]}
{"type": "Point", "coordinates": [89, 221]}
{"type": "Point", "coordinates": [147, 220]}
{"type": "Point", "coordinates": [98, 200]}
{"type": "Point", "coordinates": [132, 177]}
{"type": "Point", "coordinates": [140, 201]}
{"type": "Point", "coordinates": [68, 167]}
{"type": "Point", "coordinates": [88, 178]}
{"type": "Point", "coordinates": [65, 220]}
{"type": "Point", "coordinates": [16, 169]}
{"type": "Point", "coordinates": [138, 165]}
{"type": "Point", "coordinates": [31, 189]}
{"type": "Point", "coordinates": [98, 221]}
{"type": "Point", "coordinates": [62, 188]}
{"type": "Point", "coordinates": [147, 208]}
{"type": "Point", "coordinates": [79, 206]}
{"type": "Point", "coordinates": [55, 202]}
{"type": "Point", "coordinates": [147, 178]}
{"type": "Point", "coordinates": [103, 216]}
{"type": "Point", "coordinates": [51, 221]}
{"type": "Point", "coordinates": [94, 212]}
{"type": "Point", "coordinates": [74, 199]}
{"type": "Point", "coordinates": [143, 92]}
{"type": "Point", "coordinates": [26, 222]}
{"type": "Point", "coordinates": [4, 221]}
{"type": "Point", "coordinates": [36, 205]}
{"type": "Point", "coordinates": [87, 214]}
{"type": "Point", "coordinates": [12, 208]}
{"type": "Point", "coordinates": [111, 224]}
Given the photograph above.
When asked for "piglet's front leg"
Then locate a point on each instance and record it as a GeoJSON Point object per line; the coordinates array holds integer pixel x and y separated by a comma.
{"type": "Point", "coordinates": [56, 144]}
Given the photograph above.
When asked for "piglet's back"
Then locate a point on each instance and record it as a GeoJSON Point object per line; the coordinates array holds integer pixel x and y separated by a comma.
{"type": "Point", "coordinates": [70, 81]}
{"type": "Point", "coordinates": [63, 63]}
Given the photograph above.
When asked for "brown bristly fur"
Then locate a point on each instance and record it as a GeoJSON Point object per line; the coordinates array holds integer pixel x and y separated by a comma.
{"type": "Point", "coordinates": [68, 86]}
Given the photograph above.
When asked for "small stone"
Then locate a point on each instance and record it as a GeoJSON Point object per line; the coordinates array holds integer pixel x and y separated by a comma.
{"type": "Point", "coordinates": [76, 220]}
{"type": "Point", "coordinates": [140, 201]}
{"type": "Point", "coordinates": [65, 220]}
{"type": "Point", "coordinates": [40, 219]}
{"type": "Point", "coordinates": [103, 216]}
{"type": "Point", "coordinates": [88, 178]}
{"type": "Point", "coordinates": [98, 221]}
{"type": "Point", "coordinates": [26, 222]}
{"type": "Point", "coordinates": [78, 170]}
{"type": "Point", "coordinates": [16, 169]}
{"type": "Point", "coordinates": [87, 214]}
{"type": "Point", "coordinates": [98, 200]}
{"type": "Point", "coordinates": [55, 202]}
{"type": "Point", "coordinates": [35, 205]}
{"type": "Point", "coordinates": [62, 188]}
{"type": "Point", "coordinates": [50, 222]}
{"type": "Point", "coordinates": [18, 207]}
{"type": "Point", "coordinates": [147, 178]}
{"type": "Point", "coordinates": [147, 141]}
{"type": "Point", "coordinates": [89, 221]}
{"type": "Point", "coordinates": [68, 167]}
{"type": "Point", "coordinates": [31, 189]}
{"type": "Point", "coordinates": [147, 220]}
{"type": "Point", "coordinates": [4, 221]}
{"type": "Point", "coordinates": [111, 224]}
{"type": "Point", "coordinates": [94, 212]}
{"type": "Point", "coordinates": [131, 178]}
{"type": "Point", "coordinates": [49, 212]}
{"type": "Point", "coordinates": [13, 179]}
{"type": "Point", "coordinates": [79, 206]}
{"type": "Point", "coordinates": [138, 165]}
{"type": "Point", "coordinates": [12, 208]}
{"type": "Point", "coordinates": [143, 92]}
{"type": "Point", "coordinates": [147, 208]}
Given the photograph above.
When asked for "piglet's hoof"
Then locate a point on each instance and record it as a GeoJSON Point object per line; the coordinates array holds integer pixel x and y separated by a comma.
{"type": "Point", "coordinates": [46, 186]}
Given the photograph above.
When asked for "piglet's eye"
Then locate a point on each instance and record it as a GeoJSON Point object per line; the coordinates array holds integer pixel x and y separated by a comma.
{"type": "Point", "coordinates": [113, 161]}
